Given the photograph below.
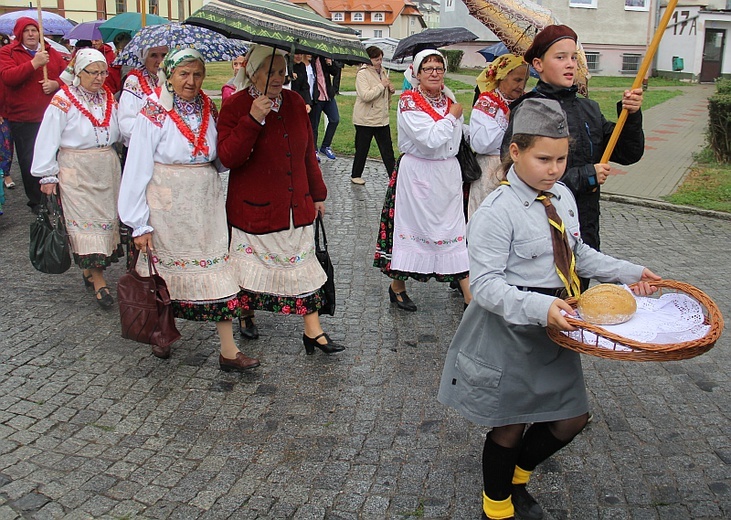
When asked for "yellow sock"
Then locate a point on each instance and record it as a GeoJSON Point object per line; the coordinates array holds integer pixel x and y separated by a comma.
{"type": "Point", "coordinates": [521, 476]}
{"type": "Point", "coordinates": [497, 510]}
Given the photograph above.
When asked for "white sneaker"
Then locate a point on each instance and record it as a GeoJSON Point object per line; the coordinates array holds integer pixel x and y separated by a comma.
{"type": "Point", "coordinates": [357, 180]}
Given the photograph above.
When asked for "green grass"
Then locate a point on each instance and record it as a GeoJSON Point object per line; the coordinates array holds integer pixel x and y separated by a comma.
{"type": "Point", "coordinates": [707, 186]}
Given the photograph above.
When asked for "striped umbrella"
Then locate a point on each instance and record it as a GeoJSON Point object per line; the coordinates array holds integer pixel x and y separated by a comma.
{"type": "Point", "coordinates": [281, 24]}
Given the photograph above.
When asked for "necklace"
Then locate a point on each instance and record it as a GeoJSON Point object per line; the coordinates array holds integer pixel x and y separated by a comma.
{"type": "Point", "coordinates": [142, 79]}
{"type": "Point", "coordinates": [199, 141]}
{"type": "Point", "coordinates": [81, 108]}
{"type": "Point", "coordinates": [424, 105]}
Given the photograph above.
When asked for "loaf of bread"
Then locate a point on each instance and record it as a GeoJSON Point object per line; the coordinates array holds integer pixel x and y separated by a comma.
{"type": "Point", "coordinates": [606, 304]}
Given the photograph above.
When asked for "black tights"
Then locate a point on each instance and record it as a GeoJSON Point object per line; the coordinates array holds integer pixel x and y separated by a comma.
{"type": "Point", "coordinates": [511, 445]}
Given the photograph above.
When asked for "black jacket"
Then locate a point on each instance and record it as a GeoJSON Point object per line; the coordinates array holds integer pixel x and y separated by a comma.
{"type": "Point", "coordinates": [300, 84]}
{"type": "Point", "coordinates": [589, 132]}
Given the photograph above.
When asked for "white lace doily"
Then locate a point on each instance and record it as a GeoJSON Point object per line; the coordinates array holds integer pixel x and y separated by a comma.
{"type": "Point", "coordinates": [671, 318]}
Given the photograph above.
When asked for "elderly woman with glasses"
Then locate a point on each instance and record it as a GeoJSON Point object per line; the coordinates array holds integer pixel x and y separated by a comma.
{"type": "Point", "coordinates": [422, 230]}
{"type": "Point", "coordinates": [275, 193]}
{"type": "Point", "coordinates": [173, 199]}
{"type": "Point", "coordinates": [73, 154]}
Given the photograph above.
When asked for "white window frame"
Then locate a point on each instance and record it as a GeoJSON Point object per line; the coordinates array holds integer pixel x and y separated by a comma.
{"type": "Point", "coordinates": [585, 4]}
{"type": "Point", "coordinates": [378, 33]}
{"type": "Point", "coordinates": [357, 16]}
{"type": "Point", "coordinates": [597, 62]}
{"type": "Point", "coordinates": [644, 5]}
{"type": "Point", "coordinates": [378, 17]}
{"type": "Point", "coordinates": [338, 17]}
{"type": "Point", "coordinates": [635, 56]}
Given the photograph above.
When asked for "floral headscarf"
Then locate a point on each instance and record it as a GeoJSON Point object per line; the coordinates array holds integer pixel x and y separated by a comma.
{"type": "Point", "coordinates": [172, 59]}
{"type": "Point", "coordinates": [82, 59]}
{"type": "Point", "coordinates": [498, 70]}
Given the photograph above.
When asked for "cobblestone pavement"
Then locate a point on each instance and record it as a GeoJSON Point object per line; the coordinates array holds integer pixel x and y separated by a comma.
{"type": "Point", "coordinates": [94, 426]}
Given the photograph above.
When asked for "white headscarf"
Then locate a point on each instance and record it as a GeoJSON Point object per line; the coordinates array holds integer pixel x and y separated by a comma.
{"type": "Point", "coordinates": [84, 58]}
{"type": "Point", "coordinates": [412, 71]}
{"type": "Point", "coordinates": [254, 58]}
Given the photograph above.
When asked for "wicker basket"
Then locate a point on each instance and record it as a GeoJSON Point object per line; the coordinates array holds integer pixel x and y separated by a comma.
{"type": "Point", "coordinates": [647, 351]}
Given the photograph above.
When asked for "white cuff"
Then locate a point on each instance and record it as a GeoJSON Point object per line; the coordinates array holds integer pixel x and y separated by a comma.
{"type": "Point", "coordinates": [142, 230]}
{"type": "Point", "coordinates": [50, 179]}
{"type": "Point", "coordinates": [452, 119]}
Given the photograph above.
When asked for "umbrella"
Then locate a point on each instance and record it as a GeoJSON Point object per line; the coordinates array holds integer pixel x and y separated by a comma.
{"type": "Point", "coordinates": [212, 45]}
{"type": "Point", "coordinates": [493, 51]}
{"type": "Point", "coordinates": [85, 31]}
{"type": "Point", "coordinates": [128, 23]}
{"type": "Point", "coordinates": [432, 39]}
{"type": "Point", "coordinates": [516, 22]}
{"type": "Point", "coordinates": [281, 24]}
{"type": "Point", "coordinates": [52, 23]}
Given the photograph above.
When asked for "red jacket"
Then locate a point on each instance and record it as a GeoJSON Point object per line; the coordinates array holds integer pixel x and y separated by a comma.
{"type": "Point", "coordinates": [114, 80]}
{"type": "Point", "coordinates": [25, 101]}
{"type": "Point", "coordinates": [274, 170]}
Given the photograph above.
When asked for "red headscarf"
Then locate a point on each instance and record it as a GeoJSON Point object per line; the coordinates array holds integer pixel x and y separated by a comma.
{"type": "Point", "coordinates": [20, 25]}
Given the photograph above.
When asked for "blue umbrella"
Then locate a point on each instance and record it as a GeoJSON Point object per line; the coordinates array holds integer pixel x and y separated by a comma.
{"type": "Point", "coordinates": [212, 45]}
{"type": "Point", "coordinates": [86, 31]}
{"type": "Point", "coordinates": [52, 23]}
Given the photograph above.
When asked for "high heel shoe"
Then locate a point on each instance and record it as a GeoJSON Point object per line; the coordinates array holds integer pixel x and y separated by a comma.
{"type": "Point", "coordinates": [327, 348]}
{"type": "Point", "coordinates": [248, 328]}
{"type": "Point", "coordinates": [404, 303]}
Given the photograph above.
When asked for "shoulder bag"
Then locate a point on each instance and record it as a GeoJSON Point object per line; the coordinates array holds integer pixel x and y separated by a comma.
{"type": "Point", "coordinates": [328, 304]}
{"type": "Point", "coordinates": [467, 159]}
{"type": "Point", "coordinates": [49, 248]}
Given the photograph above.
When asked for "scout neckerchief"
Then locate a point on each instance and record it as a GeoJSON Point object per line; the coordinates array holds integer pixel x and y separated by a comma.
{"type": "Point", "coordinates": [563, 255]}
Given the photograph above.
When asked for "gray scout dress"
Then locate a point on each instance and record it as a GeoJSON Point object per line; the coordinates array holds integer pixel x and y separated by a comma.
{"type": "Point", "coordinates": [502, 368]}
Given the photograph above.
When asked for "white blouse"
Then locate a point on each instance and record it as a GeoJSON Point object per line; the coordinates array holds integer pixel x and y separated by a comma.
{"type": "Point", "coordinates": [488, 123]}
{"type": "Point", "coordinates": [131, 101]}
{"type": "Point", "coordinates": [64, 126]}
{"type": "Point", "coordinates": [156, 139]}
{"type": "Point", "coordinates": [421, 136]}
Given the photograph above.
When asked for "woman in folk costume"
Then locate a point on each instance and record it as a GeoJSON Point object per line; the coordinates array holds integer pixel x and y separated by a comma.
{"type": "Point", "coordinates": [138, 86]}
{"type": "Point", "coordinates": [74, 151]}
{"type": "Point", "coordinates": [275, 192]}
{"type": "Point", "coordinates": [422, 231]}
{"type": "Point", "coordinates": [502, 82]}
{"type": "Point", "coordinates": [173, 199]}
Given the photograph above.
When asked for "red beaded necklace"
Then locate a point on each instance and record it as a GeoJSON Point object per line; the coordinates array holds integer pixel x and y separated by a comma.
{"type": "Point", "coordinates": [199, 142]}
{"type": "Point", "coordinates": [81, 108]}
{"type": "Point", "coordinates": [142, 80]}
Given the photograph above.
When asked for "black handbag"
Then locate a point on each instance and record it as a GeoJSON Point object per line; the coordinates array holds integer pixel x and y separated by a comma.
{"type": "Point", "coordinates": [145, 308]}
{"type": "Point", "coordinates": [49, 248]}
{"type": "Point", "coordinates": [467, 159]}
{"type": "Point", "coordinates": [328, 304]}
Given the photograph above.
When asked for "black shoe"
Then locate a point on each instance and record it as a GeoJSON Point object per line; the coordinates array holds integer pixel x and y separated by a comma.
{"type": "Point", "coordinates": [404, 302]}
{"type": "Point", "coordinates": [327, 348]}
{"type": "Point", "coordinates": [87, 281]}
{"type": "Point", "coordinates": [455, 286]}
{"type": "Point", "coordinates": [248, 328]}
{"type": "Point", "coordinates": [525, 505]}
{"type": "Point", "coordinates": [106, 301]}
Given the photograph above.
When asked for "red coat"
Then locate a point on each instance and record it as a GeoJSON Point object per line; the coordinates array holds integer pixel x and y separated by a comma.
{"type": "Point", "coordinates": [25, 101]}
{"type": "Point", "coordinates": [274, 170]}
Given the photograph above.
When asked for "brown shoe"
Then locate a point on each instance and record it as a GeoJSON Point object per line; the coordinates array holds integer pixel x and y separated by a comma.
{"type": "Point", "coordinates": [161, 352]}
{"type": "Point", "coordinates": [238, 364]}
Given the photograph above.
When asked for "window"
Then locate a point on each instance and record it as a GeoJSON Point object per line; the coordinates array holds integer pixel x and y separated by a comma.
{"type": "Point", "coordinates": [121, 6]}
{"type": "Point", "coordinates": [356, 17]}
{"type": "Point", "coordinates": [589, 4]}
{"type": "Point", "coordinates": [338, 17]}
{"type": "Point", "coordinates": [377, 33]}
{"type": "Point", "coordinates": [631, 63]}
{"type": "Point", "coordinates": [592, 61]}
{"type": "Point", "coordinates": [377, 17]}
{"type": "Point", "coordinates": [636, 5]}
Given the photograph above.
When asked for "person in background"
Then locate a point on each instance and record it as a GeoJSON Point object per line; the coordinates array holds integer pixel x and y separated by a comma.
{"type": "Point", "coordinates": [6, 138]}
{"type": "Point", "coordinates": [114, 80]}
{"type": "Point", "coordinates": [275, 192]}
{"type": "Point", "coordinates": [371, 115]}
{"type": "Point", "coordinates": [502, 371]}
{"type": "Point", "coordinates": [173, 198]}
{"type": "Point", "coordinates": [422, 230]}
{"type": "Point", "coordinates": [229, 88]}
{"type": "Point", "coordinates": [553, 55]}
{"type": "Point", "coordinates": [323, 100]}
{"type": "Point", "coordinates": [27, 94]}
{"type": "Point", "coordinates": [74, 157]}
{"type": "Point", "coordinates": [121, 40]}
{"type": "Point", "coordinates": [299, 77]}
{"type": "Point", "coordinates": [501, 83]}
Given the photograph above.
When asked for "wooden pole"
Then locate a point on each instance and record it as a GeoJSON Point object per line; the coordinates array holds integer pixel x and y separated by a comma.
{"type": "Point", "coordinates": [644, 67]}
{"type": "Point", "coordinates": [143, 14]}
{"type": "Point", "coordinates": [41, 41]}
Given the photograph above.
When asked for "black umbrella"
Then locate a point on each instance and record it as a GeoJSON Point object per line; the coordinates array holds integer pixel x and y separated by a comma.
{"type": "Point", "coordinates": [432, 39]}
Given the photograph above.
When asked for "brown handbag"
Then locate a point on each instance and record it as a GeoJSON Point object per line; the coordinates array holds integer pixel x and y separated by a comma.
{"type": "Point", "coordinates": [145, 307]}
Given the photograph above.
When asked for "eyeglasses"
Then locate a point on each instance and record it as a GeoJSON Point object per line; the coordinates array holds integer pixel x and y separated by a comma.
{"type": "Point", "coordinates": [431, 70]}
{"type": "Point", "coordinates": [101, 73]}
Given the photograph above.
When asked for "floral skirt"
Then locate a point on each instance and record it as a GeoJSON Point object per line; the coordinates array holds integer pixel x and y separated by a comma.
{"type": "Point", "coordinates": [301, 305]}
{"type": "Point", "coordinates": [224, 310]}
{"type": "Point", "coordinates": [6, 148]}
{"type": "Point", "coordinates": [384, 243]}
{"type": "Point", "coordinates": [99, 260]}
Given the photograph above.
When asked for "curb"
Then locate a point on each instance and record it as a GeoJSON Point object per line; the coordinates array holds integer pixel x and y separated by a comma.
{"type": "Point", "coordinates": [656, 204]}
